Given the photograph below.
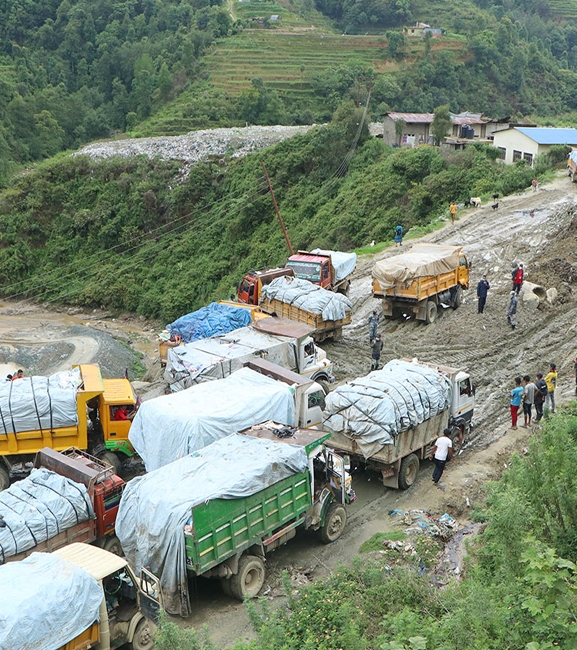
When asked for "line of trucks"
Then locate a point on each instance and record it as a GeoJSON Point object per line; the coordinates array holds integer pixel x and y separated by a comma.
{"type": "Point", "coordinates": [227, 532]}
{"type": "Point", "coordinates": [225, 484]}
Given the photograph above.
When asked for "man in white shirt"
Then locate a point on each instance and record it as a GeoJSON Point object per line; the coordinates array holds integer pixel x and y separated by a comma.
{"type": "Point", "coordinates": [441, 453]}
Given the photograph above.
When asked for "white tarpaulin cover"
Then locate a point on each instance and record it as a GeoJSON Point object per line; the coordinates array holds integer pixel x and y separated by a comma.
{"type": "Point", "coordinates": [343, 263]}
{"type": "Point", "coordinates": [34, 403]}
{"type": "Point", "coordinates": [374, 409]}
{"type": "Point", "coordinates": [219, 356]}
{"type": "Point", "coordinates": [155, 507]}
{"type": "Point", "coordinates": [421, 260]}
{"type": "Point", "coordinates": [172, 426]}
{"type": "Point", "coordinates": [38, 508]}
{"type": "Point", "coordinates": [45, 602]}
{"type": "Point", "coordinates": [573, 156]}
{"type": "Point", "coordinates": [309, 297]}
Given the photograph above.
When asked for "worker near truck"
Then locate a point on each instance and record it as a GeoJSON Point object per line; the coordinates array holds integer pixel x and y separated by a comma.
{"type": "Point", "coordinates": [482, 290]}
{"type": "Point", "coordinates": [512, 310]}
{"type": "Point", "coordinates": [373, 325]}
{"type": "Point", "coordinates": [516, 399]}
{"type": "Point", "coordinates": [376, 348]}
{"type": "Point", "coordinates": [540, 394]}
{"type": "Point", "coordinates": [441, 453]}
{"type": "Point", "coordinates": [528, 400]}
{"type": "Point", "coordinates": [122, 413]}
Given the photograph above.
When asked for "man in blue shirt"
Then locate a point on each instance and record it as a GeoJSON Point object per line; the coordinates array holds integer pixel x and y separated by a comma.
{"type": "Point", "coordinates": [482, 289]}
{"type": "Point", "coordinates": [516, 398]}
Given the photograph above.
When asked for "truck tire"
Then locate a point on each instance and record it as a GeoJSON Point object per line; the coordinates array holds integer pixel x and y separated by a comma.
{"type": "Point", "coordinates": [408, 471]}
{"type": "Point", "coordinates": [431, 312]}
{"type": "Point", "coordinates": [249, 579]}
{"type": "Point", "coordinates": [4, 478]}
{"type": "Point", "coordinates": [112, 459]}
{"type": "Point", "coordinates": [335, 522]}
{"type": "Point", "coordinates": [324, 384]}
{"type": "Point", "coordinates": [458, 299]}
{"type": "Point", "coordinates": [225, 584]}
{"type": "Point", "coordinates": [143, 638]}
{"type": "Point", "coordinates": [112, 545]}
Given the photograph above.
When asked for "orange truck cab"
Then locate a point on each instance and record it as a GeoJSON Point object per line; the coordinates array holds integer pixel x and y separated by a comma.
{"type": "Point", "coordinates": [315, 268]}
{"type": "Point", "coordinates": [249, 290]}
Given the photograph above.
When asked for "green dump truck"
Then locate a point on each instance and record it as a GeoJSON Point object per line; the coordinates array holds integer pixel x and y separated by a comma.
{"type": "Point", "coordinates": [265, 483]}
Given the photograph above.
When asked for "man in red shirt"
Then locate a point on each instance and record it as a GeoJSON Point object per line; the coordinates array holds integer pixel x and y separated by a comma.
{"type": "Point", "coordinates": [122, 414]}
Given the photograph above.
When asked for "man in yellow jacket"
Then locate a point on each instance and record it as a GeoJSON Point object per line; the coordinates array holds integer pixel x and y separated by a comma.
{"type": "Point", "coordinates": [551, 381]}
{"type": "Point", "coordinates": [453, 210]}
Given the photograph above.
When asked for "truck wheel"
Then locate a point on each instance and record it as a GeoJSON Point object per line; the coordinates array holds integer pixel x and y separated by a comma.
{"type": "Point", "coordinates": [431, 313]}
{"type": "Point", "coordinates": [324, 384]}
{"type": "Point", "coordinates": [112, 459]}
{"type": "Point", "coordinates": [143, 638]}
{"type": "Point", "coordinates": [335, 522]}
{"type": "Point", "coordinates": [249, 579]}
{"type": "Point", "coordinates": [408, 472]}
{"type": "Point", "coordinates": [458, 299]}
{"type": "Point", "coordinates": [112, 545]}
{"type": "Point", "coordinates": [4, 479]}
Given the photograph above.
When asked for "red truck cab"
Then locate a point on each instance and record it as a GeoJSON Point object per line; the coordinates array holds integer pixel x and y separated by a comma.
{"type": "Point", "coordinates": [312, 267]}
{"type": "Point", "coordinates": [249, 290]}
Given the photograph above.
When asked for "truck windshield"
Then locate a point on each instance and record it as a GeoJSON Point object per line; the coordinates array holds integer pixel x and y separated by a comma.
{"type": "Point", "coordinates": [306, 270]}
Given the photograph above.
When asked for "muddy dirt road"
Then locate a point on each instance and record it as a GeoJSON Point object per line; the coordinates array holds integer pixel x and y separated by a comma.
{"type": "Point", "coordinates": [538, 229]}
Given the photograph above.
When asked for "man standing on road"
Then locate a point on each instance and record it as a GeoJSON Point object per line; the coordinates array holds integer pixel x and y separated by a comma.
{"type": "Point", "coordinates": [540, 393]}
{"type": "Point", "coordinates": [482, 289]}
{"type": "Point", "coordinates": [528, 400]}
{"type": "Point", "coordinates": [518, 279]}
{"type": "Point", "coordinates": [441, 452]}
{"type": "Point", "coordinates": [575, 368]}
{"type": "Point", "coordinates": [453, 210]}
{"type": "Point", "coordinates": [551, 381]}
{"type": "Point", "coordinates": [512, 310]}
{"type": "Point", "coordinates": [516, 397]}
{"type": "Point", "coordinates": [373, 325]}
{"type": "Point", "coordinates": [376, 348]}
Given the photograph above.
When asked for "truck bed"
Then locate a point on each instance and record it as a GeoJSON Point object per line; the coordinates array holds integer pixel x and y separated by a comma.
{"type": "Point", "coordinates": [420, 288]}
{"type": "Point", "coordinates": [407, 442]}
{"type": "Point", "coordinates": [322, 328]}
{"type": "Point", "coordinates": [223, 527]}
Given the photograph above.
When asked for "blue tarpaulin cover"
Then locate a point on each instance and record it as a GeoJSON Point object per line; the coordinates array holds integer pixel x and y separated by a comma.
{"type": "Point", "coordinates": [209, 321]}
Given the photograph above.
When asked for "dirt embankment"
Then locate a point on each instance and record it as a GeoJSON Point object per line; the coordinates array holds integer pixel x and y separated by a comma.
{"type": "Point", "coordinates": [538, 229]}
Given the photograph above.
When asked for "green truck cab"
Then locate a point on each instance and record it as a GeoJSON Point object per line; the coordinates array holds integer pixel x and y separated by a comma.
{"type": "Point", "coordinates": [230, 538]}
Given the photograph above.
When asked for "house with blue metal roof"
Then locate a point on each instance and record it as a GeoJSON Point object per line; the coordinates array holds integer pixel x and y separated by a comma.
{"type": "Point", "coordinates": [526, 143]}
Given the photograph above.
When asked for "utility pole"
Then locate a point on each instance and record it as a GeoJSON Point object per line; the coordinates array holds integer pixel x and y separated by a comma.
{"type": "Point", "coordinates": [288, 241]}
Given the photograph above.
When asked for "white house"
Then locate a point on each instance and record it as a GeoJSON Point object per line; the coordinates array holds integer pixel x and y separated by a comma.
{"type": "Point", "coordinates": [526, 143]}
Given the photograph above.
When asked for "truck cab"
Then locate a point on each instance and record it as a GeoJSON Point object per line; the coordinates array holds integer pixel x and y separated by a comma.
{"type": "Point", "coordinates": [249, 290]}
{"type": "Point", "coordinates": [130, 605]}
{"type": "Point", "coordinates": [309, 395]}
{"type": "Point", "coordinates": [315, 268]}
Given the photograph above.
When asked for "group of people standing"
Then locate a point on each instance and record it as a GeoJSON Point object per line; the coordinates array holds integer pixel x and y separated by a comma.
{"type": "Point", "coordinates": [517, 275]}
{"type": "Point", "coordinates": [538, 394]}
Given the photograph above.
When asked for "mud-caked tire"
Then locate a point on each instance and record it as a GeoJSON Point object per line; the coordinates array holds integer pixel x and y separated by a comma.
{"type": "Point", "coordinates": [409, 471]}
{"type": "Point", "coordinates": [143, 638]}
{"type": "Point", "coordinates": [249, 579]}
{"type": "Point", "coordinates": [431, 312]}
{"type": "Point", "coordinates": [4, 478]}
{"type": "Point", "coordinates": [112, 459]}
{"type": "Point", "coordinates": [335, 522]}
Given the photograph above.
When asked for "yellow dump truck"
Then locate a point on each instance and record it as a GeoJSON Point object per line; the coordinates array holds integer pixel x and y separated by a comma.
{"type": "Point", "coordinates": [417, 282]}
{"type": "Point", "coordinates": [74, 409]}
{"type": "Point", "coordinates": [323, 329]}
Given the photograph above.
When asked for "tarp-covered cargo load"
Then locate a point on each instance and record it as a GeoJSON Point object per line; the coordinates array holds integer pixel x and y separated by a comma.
{"type": "Point", "coordinates": [45, 602]}
{"type": "Point", "coordinates": [172, 426]}
{"type": "Point", "coordinates": [155, 507]}
{"type": "Point", "coordinates": [343, 263]}
{"type": "Point", "coordinates": [309, 297]}
{"type": "Point", "coordinates": [209, 321]}
{"type": "Point", "coordinates": [422, 260]}
{"type": "Point", "coordinates": [38, 508]}
{"type": "Point", "coordinates": [373, 410]}
{"type": "Point", "coordinates": [33, 403]}
{"type": "Point", "coordinates": [219, 356]}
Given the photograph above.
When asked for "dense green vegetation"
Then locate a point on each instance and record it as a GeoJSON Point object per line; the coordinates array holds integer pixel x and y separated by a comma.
{"type": "Point", "coordinates": [73, 71]}
{"type": "Point", "coordinates": [519, 590]}
{"type": "Point", "coordinates": [132, 235]}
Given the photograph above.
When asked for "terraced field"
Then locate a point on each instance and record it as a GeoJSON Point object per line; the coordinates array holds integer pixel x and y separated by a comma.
{"type": "Point", "coordinates": [288, 61]}
{"type": "Point", "coordinates": [564, 8]}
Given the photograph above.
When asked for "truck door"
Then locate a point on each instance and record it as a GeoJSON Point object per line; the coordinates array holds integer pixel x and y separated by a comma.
{"type": "Point", "coordinates": [149, 595]}
{"type": "Point", "coordinates": [314, 404]}
{"type": "Point", "coordinates": [307, 355]}
{"type": "Point", "coordinates": [463, 398]}
{"type": "Point", "coordinates": [326, 274]}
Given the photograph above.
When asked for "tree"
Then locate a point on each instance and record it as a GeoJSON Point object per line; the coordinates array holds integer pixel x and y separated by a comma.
{"type": "Point", "coordinates": [399, 130]}
{"type": "Point", "coordinates": [441, 123]}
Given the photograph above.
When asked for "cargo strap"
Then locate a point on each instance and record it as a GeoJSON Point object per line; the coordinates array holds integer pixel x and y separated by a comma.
{"type": "Point", "coordinates": [36, 407]}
